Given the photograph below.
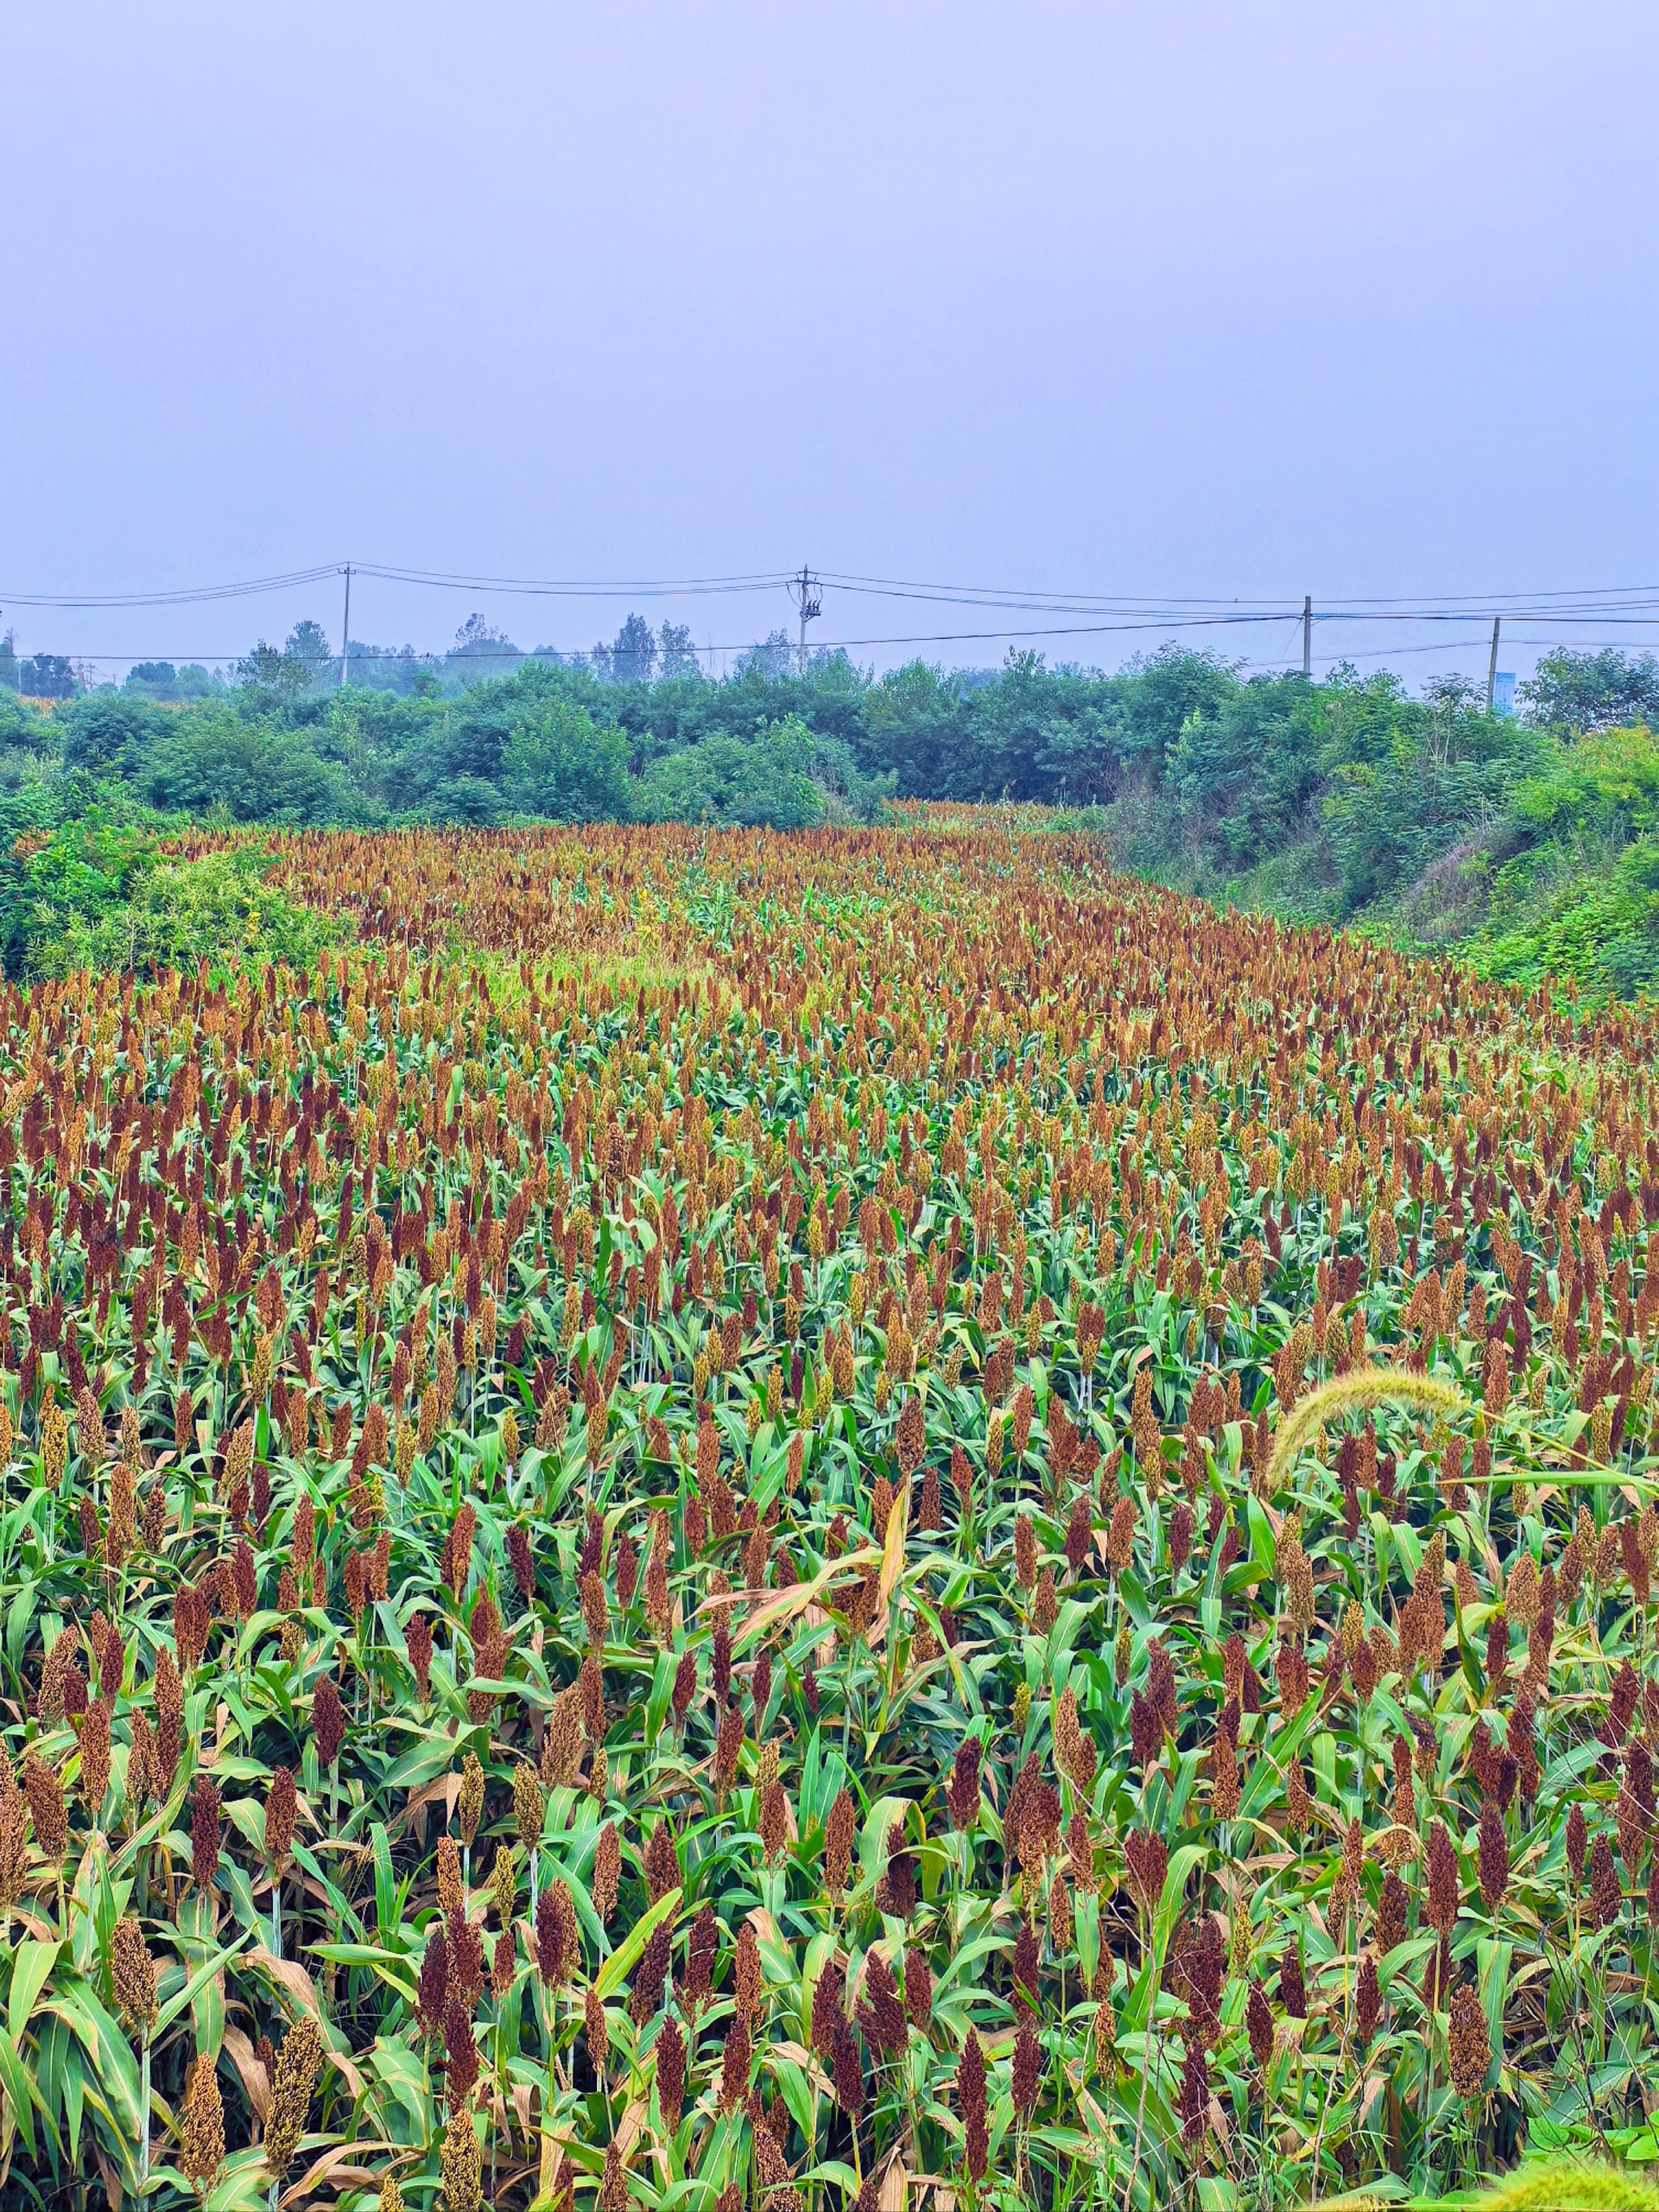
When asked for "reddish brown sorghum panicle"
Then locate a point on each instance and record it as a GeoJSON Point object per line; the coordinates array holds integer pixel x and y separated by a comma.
{"type": "Point", "coordinates": [1494, 1855]}
{"type": "Point", "coordinates": [1075, 1750]}
{"type": "Point", "coordinates": [970, 2104]}
{"type": "Point", "coordinates": [1367, 2002]}
{"type": "Point", "coordinates": [596, 2027]}
{"type": "Point", "coordinates": [328, 1720]}
{"type": "Point", "coordinates": [1193, 2098]}
{"type": "Point", "coordinates": [1389, 1927]}
{"type": "Point", "coordinates": [281, 1806]}
{"type": "Point", "coordinates": [846, 2067]}
{"type": "Point", "coordinates": [670, 2050]}
{"type": "Point", "coordinates": [1027, 2069]}
{"type": "Point", "coordinates": [1259, 2025]}
{"type": "Point", "coordinates": [826, 1991]}
{"type": "Point", "coordinates": [651, 1976]}
{"type": "Point", "coordinates": [838, 1833]}
{"type": "Point", "coordinates": [1606, 1895]}
{"type": "Point", "coordinates": [432, 1989]}
{"type": "Point", "coordinates": [14, 1836]}
{"type": "Point", "coordinates": [918, 1987]}
{"type": "Point", "coordinates": [606, 1871]}
{"type": "Point", "coordinates": [43, 1787]}
{"type": "Point", "coordinates": [962, 1791]}
{"type": "Point", "coordinates": [729, 1745]}
{"type": "Point", "coordinates": [896, 1891]}
{"type": "Point", "coordinates": [460, 2051]}
{"type": "Point", "coordinates": [746, 1972]}
{"type": "Point", "coordinates": [1148, 1859]}
{"type": "Point", "coordinates": [94, 1757]}
{"type": "Point", "coordinates": [417, 1642]}
{"type": "Point", "coordinates": [880, 2013]}
{"type": "Point", "coordinates": [134, 1974]}
{"type": "Point", "coordinates": [1621, 1703]}
{"type": "Point", "coordinates": [734, 2065]}
{"type": "Point", "coordinates": [522, 1559]}
{"type": "Point", "coordinates": [503, 1960]}
{"type": "Point", "coordinates": [660, 1862]}
{"type": "Point", "coordinates": [773, 1821]}
{"type": "Point", "coordinates": [1204, 1963]}
{"type": "Point", "coordinates": [1440, 1865]}
{"type": "Point", "coordinates": [458, 1547]}
{"type": "Point", "coordinates": [548, 1950]}
{"type": "Point", "coordinates": [1293, 1988]}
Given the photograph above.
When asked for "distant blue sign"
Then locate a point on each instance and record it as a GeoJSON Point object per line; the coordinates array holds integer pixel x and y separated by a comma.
{"type": "Point", "coordinates": [1502, 692]}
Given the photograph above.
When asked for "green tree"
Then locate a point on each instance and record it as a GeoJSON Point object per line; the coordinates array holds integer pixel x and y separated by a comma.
{"type": "Point", "coordinates": [252, 770]}
{"type": "Point", "coordinates": [634, 654]}
{"type": "Point", "coordinates": [49, 676]}
{"type": "Point", "coordinates": [766, 782]}
{"type": "Point", "coordinates": [106, 731]}
{"type": "Point", "coordinates": [269, 676]}
{"type": "Point", "coordinates": [558, 764]}
{"type": "Point", "coordinates": [1608, 689]}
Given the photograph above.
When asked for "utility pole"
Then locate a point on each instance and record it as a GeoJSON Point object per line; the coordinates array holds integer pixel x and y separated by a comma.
{"type": "Point", "coordinates": [1307, 636]}
{"type": "Point", "coordinates": [1491, 666]}
{"type": "Point", "coordinates": [345, 631]}
{"type": "Point", "coordinates": [808, 595]}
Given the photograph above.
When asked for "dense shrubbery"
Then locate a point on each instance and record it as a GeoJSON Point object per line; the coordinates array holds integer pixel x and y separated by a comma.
{"type": "Point", "coordinates": [94, 891]}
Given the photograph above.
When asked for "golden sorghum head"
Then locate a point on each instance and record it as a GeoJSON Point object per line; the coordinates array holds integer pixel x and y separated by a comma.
{"type": "Point", "coordinates": [202, 2130]}
{"type": "Point", "coordinates": [472, 1795]}
{"type": "Point", "coordinates": [504, 1883]}
{"type": "Point", "coordinates": [391, 2198]}
{"type": "Point", "coordinates": [293, 2079]}
{"type": "Point", "coordinates": [54, 1444]}
{"type": "Point", "coordinates": [529, 1804]}
{"type": "Point", "coordinates": [462, 2163]}
{"type": "Point", "coordinates": [132, 1971]}
{"type": "Point", "coordinates": [452, 1898]}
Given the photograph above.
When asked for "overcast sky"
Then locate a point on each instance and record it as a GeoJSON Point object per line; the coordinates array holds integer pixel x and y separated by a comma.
{"type": "Point", "coordinates": [1193, 299]}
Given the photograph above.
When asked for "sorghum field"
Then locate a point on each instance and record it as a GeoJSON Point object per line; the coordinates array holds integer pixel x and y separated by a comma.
{"type": "Point", "coordinates": [741, 1521]}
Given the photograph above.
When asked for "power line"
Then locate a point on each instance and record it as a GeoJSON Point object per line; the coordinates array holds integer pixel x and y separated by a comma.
{"type": "Point", "coordinates": [527, 587]}
{"type": "Point", "coordinates": [1611, 602]}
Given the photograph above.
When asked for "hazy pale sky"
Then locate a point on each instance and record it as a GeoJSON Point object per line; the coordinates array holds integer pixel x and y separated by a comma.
{"type": "Point", "coordinates": [1072, 295]}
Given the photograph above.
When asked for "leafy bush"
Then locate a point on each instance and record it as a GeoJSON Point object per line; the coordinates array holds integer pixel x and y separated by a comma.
{"type": "Point", "coordinates": [216, 762]}
{"type": "Point", "coordinates": [783, 778]}
{"type": "Point", "coordinates": [100, 894]}
{"type": "Point", "coordinates": [763, 783]}
{"type": "Point", "coordinates": [560, 765]}
{"type": "Point", "coordinates": [1596, 923]}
